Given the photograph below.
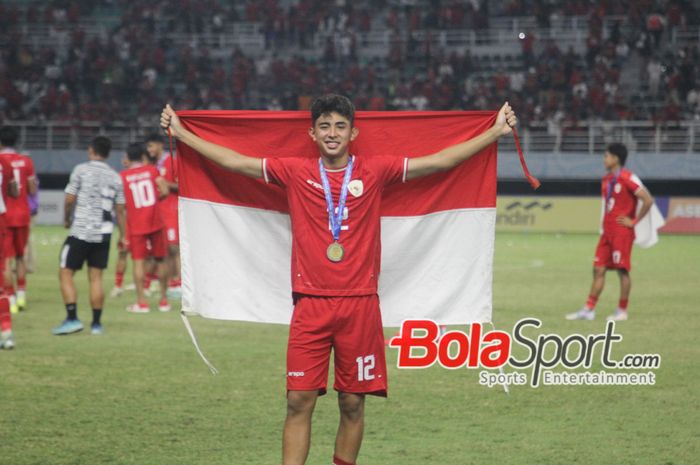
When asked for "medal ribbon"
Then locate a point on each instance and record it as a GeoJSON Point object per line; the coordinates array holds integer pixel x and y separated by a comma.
{"type": "Point", "coordinates": [611, 185]}
{"type": "Point", "coordinates": [336, 219]}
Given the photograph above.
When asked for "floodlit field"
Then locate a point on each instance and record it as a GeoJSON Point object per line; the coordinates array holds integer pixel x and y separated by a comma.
{"type": "Point", "coordinates": [139, 394]}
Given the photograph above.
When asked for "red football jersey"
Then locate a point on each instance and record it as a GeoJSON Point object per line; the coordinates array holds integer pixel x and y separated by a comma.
{"type": "Point", "coordinates": [143, 214]}
{"type": "Point", "coordinates": [312, 272]}
{"type": "Point", "coordinates": [21, 170]}
{"type": "Point", "coordinates": [5, 173]}
{"type": "Point", "coordinates": [618, 190]}
{"type": "Point", "coordinates": [166, 167]}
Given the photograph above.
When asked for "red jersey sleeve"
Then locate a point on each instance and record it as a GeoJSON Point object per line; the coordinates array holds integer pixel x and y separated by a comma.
{"type": "Point", "coordinates": [632, 183]}
{"type": "Point", "coordinates": [280, 170]}
{"type": "Point", "coordinates": [389, 170]}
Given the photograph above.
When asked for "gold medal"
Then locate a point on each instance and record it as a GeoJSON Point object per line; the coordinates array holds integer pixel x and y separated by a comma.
{"type": "Point", "coordinates": [335, 252]}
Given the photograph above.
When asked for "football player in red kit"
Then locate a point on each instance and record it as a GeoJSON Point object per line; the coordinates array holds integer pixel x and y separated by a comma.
{"type": "Point", "coordinates": [143, 187]}
{"type": "Point", "coordinates": [621, 190]}
{"type": "Point", "coordinates": [335, 272]}
{"type": "Point", "coordinates": [17, 218]}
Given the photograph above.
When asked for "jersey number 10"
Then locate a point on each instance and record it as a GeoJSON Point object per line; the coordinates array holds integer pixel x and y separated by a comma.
{"type": "Point", "coordinates": [143, 193]}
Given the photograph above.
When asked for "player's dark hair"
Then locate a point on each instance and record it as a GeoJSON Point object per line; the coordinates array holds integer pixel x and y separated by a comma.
{"type": "Point", "coordinates": [619, 150]}
{"type": "Point", "coordinates": [136, 151]}
{"type": "Point", "coordinates": [329, 103]}
{"type": "Point", "coordinates": [8, 136]}
{"type": "Point", "coordinates": [154, 137]}
{"type": "Point", "coordinates": [101, 145]}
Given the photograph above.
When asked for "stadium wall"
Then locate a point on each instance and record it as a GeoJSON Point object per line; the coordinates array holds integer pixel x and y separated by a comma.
{"type": "Point", "coordinates": [568, 201]}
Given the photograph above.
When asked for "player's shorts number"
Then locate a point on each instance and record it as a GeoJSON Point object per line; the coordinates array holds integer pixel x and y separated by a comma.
{"type": "Point", "coordinates": [611, 203]}
{"type": "Point", "coordinates": [143, 193]}
{"type": "Point", "coordinates": [365, 366]}
{"type": "Point", "coordinates": [616, 256]}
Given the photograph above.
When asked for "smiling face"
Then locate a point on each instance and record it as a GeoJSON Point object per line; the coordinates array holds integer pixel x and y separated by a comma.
{"type": "Point", "coordinates": [333, 133]}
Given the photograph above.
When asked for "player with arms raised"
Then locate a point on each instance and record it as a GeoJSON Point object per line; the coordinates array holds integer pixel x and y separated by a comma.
{"type": "Point", "coordinates": [143, 187]}
{"type": "Point", "coordinates": [335, 261]}
{"type": "Point", "coordinates": [621, 189]}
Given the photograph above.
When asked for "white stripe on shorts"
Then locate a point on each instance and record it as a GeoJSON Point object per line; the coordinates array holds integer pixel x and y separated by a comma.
{"type": "Point", "coordinates": [64, 255]}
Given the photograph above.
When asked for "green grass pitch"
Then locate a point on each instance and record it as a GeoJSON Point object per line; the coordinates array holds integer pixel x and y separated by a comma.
{"type": "Point", "coordinates": [139, 394]}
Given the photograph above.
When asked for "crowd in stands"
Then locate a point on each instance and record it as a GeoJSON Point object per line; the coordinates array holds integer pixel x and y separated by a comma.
{"type": "Point", "coordinates": [628, 69]}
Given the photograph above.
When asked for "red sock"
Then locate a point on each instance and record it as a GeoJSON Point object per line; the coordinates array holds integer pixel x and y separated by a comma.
{"type": "Point", "coordinates": [147, 282]}
{"type": "Point", "coordinates": [622, 305]}
{"type": "Point", "coordinates": [5, 316]}
{"type": "Point", "coordinates": [337, 461]}
{"type": "Point", "coordinates": [590, 303]}
{"type": "Point", "coordinates": [172, 283]}
{"type": "Point", "coordinates": [118, 279]}
{"type": "Point", "coordinates": [9, 290]}
{"type": "Point", "coordinates": [21, 284]}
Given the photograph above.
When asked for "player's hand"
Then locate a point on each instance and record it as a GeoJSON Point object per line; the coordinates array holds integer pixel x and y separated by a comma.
{"type": "Point", "coordinates": [123, 245]}
{"type": "Point", "coordinates": [169, 120]}
{"type": "Point", "coordinates": [506, 120]}
{"type": "Point", "coordinates": [625, 221]}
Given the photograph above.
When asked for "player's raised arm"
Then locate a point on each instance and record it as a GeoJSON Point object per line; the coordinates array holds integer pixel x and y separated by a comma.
{"type": "Point", "coordinates": [222, 156]}
{"type": "Point", "coordinates": [452, 156]}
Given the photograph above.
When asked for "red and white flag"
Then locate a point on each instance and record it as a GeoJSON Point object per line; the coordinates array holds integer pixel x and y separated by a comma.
{"type": "Point", "coordinates": [437, 231]}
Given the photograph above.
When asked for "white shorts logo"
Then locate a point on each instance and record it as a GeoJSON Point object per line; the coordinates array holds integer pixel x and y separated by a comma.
{"type": "Point", "coordinates": [296, 374]}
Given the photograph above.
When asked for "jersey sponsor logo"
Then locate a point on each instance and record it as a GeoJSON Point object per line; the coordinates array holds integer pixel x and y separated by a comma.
{"type": "Point", "coordinates": [314, 184]}
{"type": "Point", "coordinates": [356, 187]}
{"type": "Point", "coordinates": [296, 374]}
{"type": "Point", "coordinates": [618, 188]}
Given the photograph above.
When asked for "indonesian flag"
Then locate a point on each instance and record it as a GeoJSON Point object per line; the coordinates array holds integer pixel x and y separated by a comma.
{"type": "Point", "coordinates": [437, 232]}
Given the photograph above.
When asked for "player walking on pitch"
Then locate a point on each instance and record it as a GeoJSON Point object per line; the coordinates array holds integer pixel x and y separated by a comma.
{"type": "Point", "coordinates": [621, 190]}
{"type": "Point", "coordinates": [18, 217]}
{"type": "Point", "coordinates": [335, 269]}
{"type": "Point", "coordinates": [93, 190]}
{"type": "Point", "coordinates": [143, 187]}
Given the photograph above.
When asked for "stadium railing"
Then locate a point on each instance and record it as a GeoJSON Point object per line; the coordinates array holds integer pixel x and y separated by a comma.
{"type": "Point", "coordinates": [589, 137]}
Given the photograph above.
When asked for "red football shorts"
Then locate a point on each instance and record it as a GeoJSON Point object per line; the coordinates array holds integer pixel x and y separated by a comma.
{"type": "Point", "coordinates": [16, 241]}
{"type": "Point", "coordinates": [614, 251]}
{"type": "Point", "coordinates": [172, 228]}
{"type": "Point", "coordinates": [148, 245]}
{"type": "Point", "coordinates": [352, 328]}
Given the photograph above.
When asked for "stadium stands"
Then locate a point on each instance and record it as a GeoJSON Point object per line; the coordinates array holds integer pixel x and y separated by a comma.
{"type": "Point", "coordinates": [579, 72]}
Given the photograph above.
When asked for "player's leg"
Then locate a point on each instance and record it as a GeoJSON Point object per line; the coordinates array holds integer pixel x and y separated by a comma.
{"type": "Point", "coordinates": [20, 242]}
{"type": "Point", "coordinates": [308, 356]}
{"type": "Point", "coordinates": [7, 340]}
{"type": "Point", "coordinates": [97, 298]}
{"type": "Point", "coordinates": [173, 241]}
{"type": "Point", "coordinates": [296, 437]}
{"type": "Point", "coordinates": [622, 256]}
{"type": "Point", "coordinates": [138, 254]}
{"type": "Point", "coordinates": [72, 256]}
{"type": "Point", "coordinates": [351, 428]}
{"type": "Point", "coordinates": [150, 271]}
{"type": "Point", "coordinates": [602, 261]}
{"type": "Point", "coordinates": [160, 254]}
{"type": "Point", "coordinates": [97, 260]}
{"type": "Point", "coordinates": [119, 273]}
{"type": "Point", "coordinates": [360, 368]}
{"type": "Point", "coordinates": [174, 281]}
